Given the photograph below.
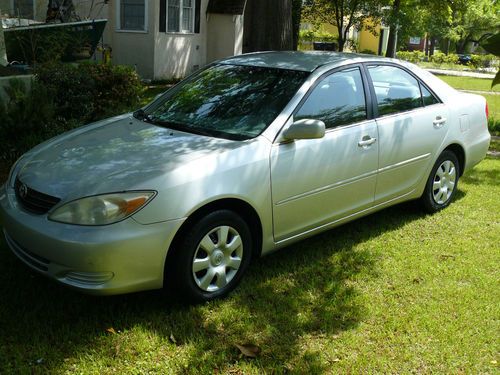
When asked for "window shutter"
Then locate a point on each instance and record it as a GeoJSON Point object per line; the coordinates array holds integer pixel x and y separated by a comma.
{"type": "Point", "coordinates": [163, 16]}
{"type": "Point", "coordinates": [197, 11]}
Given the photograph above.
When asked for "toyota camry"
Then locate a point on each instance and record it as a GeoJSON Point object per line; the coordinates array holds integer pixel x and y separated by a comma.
{"type": "Point", "coordinates": [246, 156]}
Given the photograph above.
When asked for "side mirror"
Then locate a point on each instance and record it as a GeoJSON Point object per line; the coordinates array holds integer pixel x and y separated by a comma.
{"type": "Point", "coordinates": [305, 129]}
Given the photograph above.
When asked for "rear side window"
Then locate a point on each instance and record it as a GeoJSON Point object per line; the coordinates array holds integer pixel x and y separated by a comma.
{"type": "Point", "coordinates": [427, 96]}
{"type": "Point", "coordinates": [339, 99]}
{"type": "Point", "coordinates": [396, 90]}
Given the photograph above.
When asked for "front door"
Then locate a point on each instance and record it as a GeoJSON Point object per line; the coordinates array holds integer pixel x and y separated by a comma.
{"type": "Point", "coordinates": [315, 182]}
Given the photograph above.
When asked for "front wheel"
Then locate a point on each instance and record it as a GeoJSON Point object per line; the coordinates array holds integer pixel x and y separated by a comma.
{"type": "Point", "coordinates": [211, 257]}
{"type": "Point", "coordinates": [442, 182]}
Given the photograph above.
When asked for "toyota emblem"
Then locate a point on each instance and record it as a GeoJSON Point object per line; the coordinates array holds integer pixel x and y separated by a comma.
{"type": "Point", "coordinates": [23, 191]}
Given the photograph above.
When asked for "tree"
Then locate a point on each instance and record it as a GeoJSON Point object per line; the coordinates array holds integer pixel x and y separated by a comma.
{"type": "Point", "coordinates": [268, 25]}
{"type": "Point", "coordinates": [471, 19]}
{"type": "Point", "coordinates": [343, 14]}
{"type": "Point", "coordinates": [492, 45]}
{"type": "Point", "coordinates": [451, 21]}
{"type": "Point", "coordinates": [407, 18]}
{"type": "Point", "coordinates": [296, 19]}
{"type": "Point", "coordinates": [3, 55]}
{"type": "Point", "coordinates": [394, 22]}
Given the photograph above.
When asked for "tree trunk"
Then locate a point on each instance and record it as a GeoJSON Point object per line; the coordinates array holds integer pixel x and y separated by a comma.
{"type": "Point", "coordinates": [3, 55]}
{"type": "Point", "coordinates": [447, 46]}
{"type": "Point", "coordinates": [341, 41]}
{"type": "Point", "coordinates": [268, 26]}
{"type": "Point", "coordinates": [461, 45]}
{"type": "Point", "coordinates": [393, 32]}
{"type": "Point", "coordinates": [296, 17]}
{"type": "Point", "coordinates": [432, 47]}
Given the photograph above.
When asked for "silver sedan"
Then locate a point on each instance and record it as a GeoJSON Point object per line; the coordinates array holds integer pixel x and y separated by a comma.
{"type": "Point", "coordinates": [246, 156]}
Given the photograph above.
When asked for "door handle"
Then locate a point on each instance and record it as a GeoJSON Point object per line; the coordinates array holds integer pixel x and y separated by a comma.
{"type": "Point", "coordinates": [366, 141]}
{"type": "Point", "coordinates": [439, 122]}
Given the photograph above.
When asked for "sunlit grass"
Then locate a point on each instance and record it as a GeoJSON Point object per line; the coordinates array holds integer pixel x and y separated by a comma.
{"type": "Point", "coordinates": [480, 84]}
{"type": "Point", "coordinates": [470, 83]}
{"type": "Point", "coordinates": [396, 292]}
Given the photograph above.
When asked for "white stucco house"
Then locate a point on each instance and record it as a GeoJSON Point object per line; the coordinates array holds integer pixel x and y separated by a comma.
{"type": "Point", "coordinates": [161, 38]}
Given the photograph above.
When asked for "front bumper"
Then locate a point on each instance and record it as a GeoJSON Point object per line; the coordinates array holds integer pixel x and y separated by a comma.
{"type": "Point", "coordinates": [114, 259]}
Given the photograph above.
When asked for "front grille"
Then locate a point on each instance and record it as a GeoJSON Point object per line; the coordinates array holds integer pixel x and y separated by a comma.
{"type": "Point", "coordinates": [32, 200]}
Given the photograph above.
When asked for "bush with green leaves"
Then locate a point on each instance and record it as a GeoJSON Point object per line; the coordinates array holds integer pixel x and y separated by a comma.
{"type": "Point", "coordinates": [484, 61]}
{"type": "Point", "coordinates": [316, 36]}
{"type": "Point", "coordinates": [441, 58]}
{"type": "Point", "coordinates": [63, 97]}
{"type": "Point", "coordinates": [494, 125]}
{"type": "Point", "coordinates": [411, 56]}
{"type": "Point", "coordinates": [28, 117]}
{"type": "Point", "coordinates": [89, 92]}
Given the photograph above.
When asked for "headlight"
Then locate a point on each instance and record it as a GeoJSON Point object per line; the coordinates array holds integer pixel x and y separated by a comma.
{"type": "Point", "coordinates": [102, 209]}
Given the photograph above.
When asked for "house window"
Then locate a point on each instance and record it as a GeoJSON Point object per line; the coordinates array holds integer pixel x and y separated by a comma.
{"type": "Point", "coordinates": [414, 40]}
{"type": "Point", "coordinates": [23, 9]}
{"type": "Point", "coordinates": [180, 16]}
{"type": "Point", "coordinates": [132, 15]}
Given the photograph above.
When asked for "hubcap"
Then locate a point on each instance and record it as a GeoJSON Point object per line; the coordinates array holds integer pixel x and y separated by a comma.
{"type": "Point", "coordinates": [444, 182]}
{"type": "Point", "coordinates": [217, 258]}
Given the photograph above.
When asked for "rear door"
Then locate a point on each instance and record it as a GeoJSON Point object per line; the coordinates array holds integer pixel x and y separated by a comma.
{"type": "Point", "coordinates": [315, 182]}
{"type": "Point", "coordinates": [412, 125]}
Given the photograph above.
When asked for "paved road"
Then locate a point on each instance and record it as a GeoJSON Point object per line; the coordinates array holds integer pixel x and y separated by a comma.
{"type": "Point", "coordinates": [461, 73]}
{"type": "Point", "coordinates": [481, 92]}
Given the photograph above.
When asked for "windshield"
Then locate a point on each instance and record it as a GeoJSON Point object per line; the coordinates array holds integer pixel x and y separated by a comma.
{"type": "Point", "coordinates": [227, 101]}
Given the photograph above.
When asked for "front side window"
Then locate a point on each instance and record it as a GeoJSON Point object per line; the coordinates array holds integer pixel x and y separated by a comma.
{"type": "Point", "coordinates": [396, 90]}
{"type": "Point", "coordinates": [337, 100]}
{"type": "Point", "coordinates": [227, 101]}
{"type": "Point", "coordinates": [132, 15]}
{"type": "Point", "coordinates": [180, 16]}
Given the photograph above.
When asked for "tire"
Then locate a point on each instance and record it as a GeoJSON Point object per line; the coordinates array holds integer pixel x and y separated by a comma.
{"type": "Point", "coordinates": [442, 183]}
{"type": "Point", "coordinates": [211, 258]}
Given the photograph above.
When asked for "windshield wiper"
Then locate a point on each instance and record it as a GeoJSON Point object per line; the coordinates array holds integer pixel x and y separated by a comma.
{"type": "Point", "coordinates": [187, 128]}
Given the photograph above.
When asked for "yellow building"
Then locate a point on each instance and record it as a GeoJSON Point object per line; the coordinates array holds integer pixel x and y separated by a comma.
{"type": "Point", "coordinates": [365, 39]}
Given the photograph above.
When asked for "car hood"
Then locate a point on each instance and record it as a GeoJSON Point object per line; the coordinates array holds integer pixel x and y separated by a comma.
{"type": "Point", "coordinates": [114, 155]}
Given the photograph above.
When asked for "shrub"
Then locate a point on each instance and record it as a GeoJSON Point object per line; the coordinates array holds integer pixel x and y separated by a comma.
{"type": "Point", "coordinates": [411, 56]}
{"type": "Point", "coordinates": [89, 92]}
{"type": "Point", "coordinates": [494, 125]}
{"type": "Point", "coordinates": [441, 58]}
{"type": "Point", "coordinates": [27, 118]}
{"type": "Point", "coordinates": [316, 36]}
{"type": "Point", "coordinates": [368, 52]}
{"type": "Point", "coordinates": [484, 61]}
{"type": "Point", "coordinates": [61, 98]}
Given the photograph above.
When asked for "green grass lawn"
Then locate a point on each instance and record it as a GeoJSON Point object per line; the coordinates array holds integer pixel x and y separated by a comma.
{"type": "Point", "coordinates": [395, 292]}
{"type": "Point", "coordinates": [470, 83]}
{"type": "Point", "coordinates": [480, 84]}
{"type": "Point", "coordinates": [494, 110]}
{"type": "Point", "coordinates": [495, 145]}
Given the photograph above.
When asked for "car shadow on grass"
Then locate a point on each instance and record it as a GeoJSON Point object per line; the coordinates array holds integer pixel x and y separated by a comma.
{"type": "Point", "coordinates": [306, 290]}
{"type": "Point", "coordinates": [481, 177]}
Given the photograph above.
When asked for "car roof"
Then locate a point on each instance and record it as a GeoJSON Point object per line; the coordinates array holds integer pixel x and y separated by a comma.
{"type": "Point", "coordinates": [295, 60]}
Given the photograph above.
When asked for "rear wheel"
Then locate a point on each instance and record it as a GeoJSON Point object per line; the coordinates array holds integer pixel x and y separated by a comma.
{"type": "Point", "coordinates": [211, 258]}
{"type": "Point", "coordinates": [442, 182]}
